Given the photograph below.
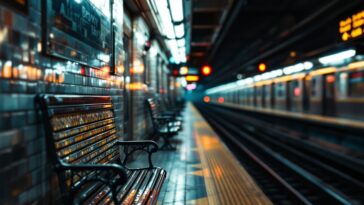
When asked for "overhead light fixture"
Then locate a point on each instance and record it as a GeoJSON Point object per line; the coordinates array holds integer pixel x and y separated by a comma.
{"type": "Point", "coordinates": [169, 14]}
{"type": "Point", "coordinates": [176, 7]}
{"type": "Point", "coordinates": [338, 57]}
{"type": "Point", "coordinates": [308, 65]}
{"type": "Point", "coordinates": [180, 30]}
{"type": "Point", "coordinates": [181, 42]}
{"type": "Point", "coordinates": [165, 18]}
{"type": "Point", "coordinates": [293, 69]}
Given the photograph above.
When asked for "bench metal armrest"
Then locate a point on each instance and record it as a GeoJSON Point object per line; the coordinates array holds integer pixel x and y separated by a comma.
{"type": "Point", "coordinates": [148, 146]}
{"type": "Point", "coordinates": [95, 167]}
{"type": "Point", "coordinates": [104, 173]}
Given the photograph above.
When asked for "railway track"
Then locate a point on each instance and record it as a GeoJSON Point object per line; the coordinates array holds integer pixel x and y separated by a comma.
{"type": "Point", "coordinates": [286, 173]}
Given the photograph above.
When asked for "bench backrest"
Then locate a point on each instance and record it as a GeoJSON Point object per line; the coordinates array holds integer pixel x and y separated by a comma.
{"type": "Point", "coordinates": [154, 111]}
{"type": "Point", "coordinates": [80, 129]}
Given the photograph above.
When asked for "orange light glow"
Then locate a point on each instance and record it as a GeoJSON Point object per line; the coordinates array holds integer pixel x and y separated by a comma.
{"type": "Point", "coordinates": [206, 99]}
{"type": "Point", "coordinates": [7, 70]}
{"type": "Point", "coordinates": [221, 100]}
{"type": "Point", "coordinates": [330, 79]}
{"type": "Point", "coordinates": [323, 71]}
{"type": "Point", "coordinates": [206, 70]}
{"type": "Point", "coordinates": [135, 86]}
{"type": "Point", "coordinates": [192, 78]}
{"type": "Point", "coordinates": [138, 68]}
{"type": "Point", "coordinates": [105, 69]}
{"type": "Point", "coordinates": [262, 67]}
{"type": "Point", "coordinates": [120, 69]}
{"type": "Point", "coordinates": [293, 54]}
{"type": "Point", "coordinates": [355, 65]}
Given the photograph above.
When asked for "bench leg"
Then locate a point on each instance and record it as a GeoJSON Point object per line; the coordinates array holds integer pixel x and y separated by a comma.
{"type": "Point", "coordinates": [167, 145]}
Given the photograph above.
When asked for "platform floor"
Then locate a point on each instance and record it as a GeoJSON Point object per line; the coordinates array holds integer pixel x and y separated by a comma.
{"type": "Point", "coordinates": [203, 170]}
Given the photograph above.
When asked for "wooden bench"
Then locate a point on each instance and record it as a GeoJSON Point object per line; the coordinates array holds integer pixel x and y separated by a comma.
{"type": "Point", "coordinates": [165, 126]}
{"type": "Point", "coordinates": [85, 150]}
{"type": "Point", "coordinates": [168, 109]}
{"type": "Point", "coordinates": [160, 111]}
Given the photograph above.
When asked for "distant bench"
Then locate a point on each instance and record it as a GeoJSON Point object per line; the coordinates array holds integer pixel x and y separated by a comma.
{"type": "Point", "coordinates": [166, 125]}
{"type": "Point", "coordinates": [84, 149]}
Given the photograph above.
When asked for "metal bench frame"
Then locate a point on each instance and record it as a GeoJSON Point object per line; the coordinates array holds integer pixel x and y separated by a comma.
{"type": "Point", "coordinates": [102, 173]}
{"type": "Point", "coordinates": [160, 121]}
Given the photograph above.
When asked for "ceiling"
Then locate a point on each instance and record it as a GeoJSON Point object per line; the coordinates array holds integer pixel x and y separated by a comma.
{"type": "Point", "coordinates": [207, 19]}
{"type": "Point", "coordinates": [234, 36]}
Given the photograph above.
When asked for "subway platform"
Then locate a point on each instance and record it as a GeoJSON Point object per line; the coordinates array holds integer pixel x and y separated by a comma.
{"type": "Point", "coordinates": [202, 170]}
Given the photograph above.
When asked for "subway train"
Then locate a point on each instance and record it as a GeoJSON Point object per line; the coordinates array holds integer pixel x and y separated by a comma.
{"type": "Point", "coordinates": [312, 87]}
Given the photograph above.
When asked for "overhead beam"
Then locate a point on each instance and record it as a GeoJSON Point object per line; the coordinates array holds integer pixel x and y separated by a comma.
{"type": "Point", "coordinates": [288, 39]}
{"type": "Point", "coordinates": [202, 10]}
{"type": "Point", "coordinates": [205, 26]}
{"type": "Point", "coordinates": [238, 5]}
{"type": "Point", "coordinates": [200, 44]}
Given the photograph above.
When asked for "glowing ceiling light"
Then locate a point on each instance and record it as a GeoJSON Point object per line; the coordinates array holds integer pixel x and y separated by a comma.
{"type": "Point", "coordinates": [180, 30]}
{"type": "Point", "coordinates": [308, 65]}
{"type": "Point", "coordinates": [293, 69]}
{"type": "Point", "coordinates": [168, 12]}
{"type": "Point", "coordinates": [181, 42]}
{"type": "Point", "coordinates": [176, 9]}
{"type": "Point", "coordinates": [338, 57]}
{"type": "Point", "coordinates": [182, 50]}
{"type": "Point", "coordinates": [183, 58]}
{"type": "Point", "coordinates": [166, 21]}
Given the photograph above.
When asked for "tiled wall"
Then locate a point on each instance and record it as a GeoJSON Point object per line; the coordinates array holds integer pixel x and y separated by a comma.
{"type": "Point", "coordinates": [25, 174]}
{"type": "Point", "coordinates": [26, 177]}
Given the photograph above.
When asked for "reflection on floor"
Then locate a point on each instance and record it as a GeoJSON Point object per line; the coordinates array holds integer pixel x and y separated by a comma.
{"type": "Point", "coordinates": [203, 171]}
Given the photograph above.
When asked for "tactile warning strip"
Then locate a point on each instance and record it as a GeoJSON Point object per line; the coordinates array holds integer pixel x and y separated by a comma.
{"type": "Point", "coordinates": [226, 181]}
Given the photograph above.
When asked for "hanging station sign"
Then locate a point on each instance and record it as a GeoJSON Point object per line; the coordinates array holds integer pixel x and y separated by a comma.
{"type": "Point", "coordinates": [352, 27]}
{"type": "Point", "coordinates": [79, 31]}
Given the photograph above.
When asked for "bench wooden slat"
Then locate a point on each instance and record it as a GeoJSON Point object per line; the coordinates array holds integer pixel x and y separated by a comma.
{"type": "Point", "coordinates": [156, 188]}
{"type": "Point", "coordinates": [147, 190]}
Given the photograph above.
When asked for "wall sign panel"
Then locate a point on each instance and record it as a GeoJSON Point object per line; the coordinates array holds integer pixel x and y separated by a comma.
{"type": "Point", "coordinates": [79, 30]}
